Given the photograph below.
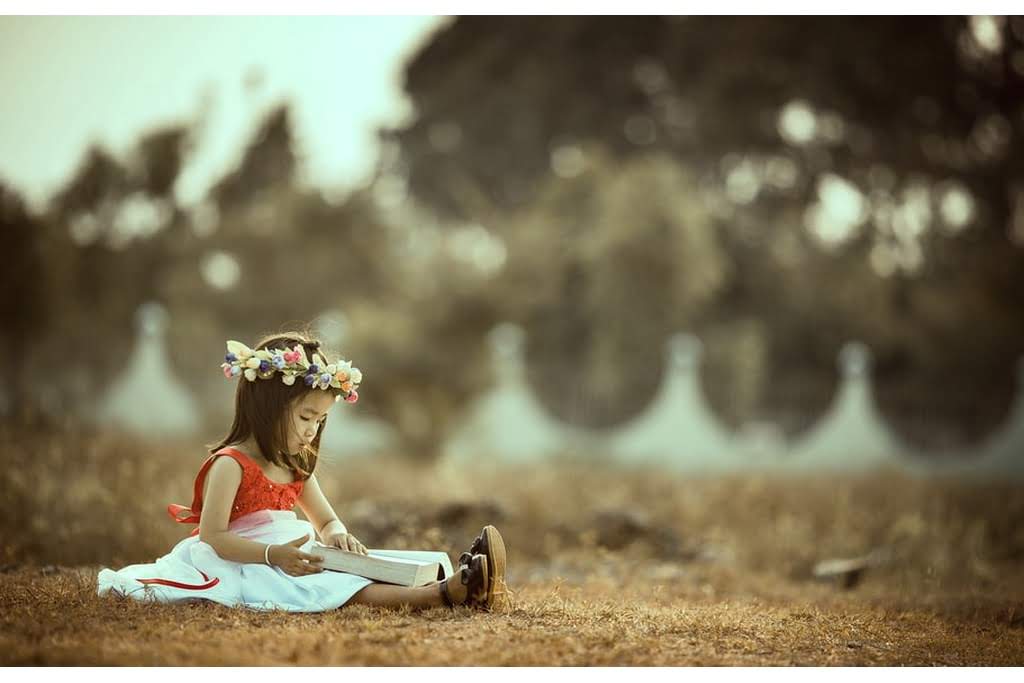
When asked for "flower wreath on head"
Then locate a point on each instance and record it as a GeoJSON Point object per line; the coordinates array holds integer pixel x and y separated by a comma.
{"type": "Point", "coordinates": [265, 363]}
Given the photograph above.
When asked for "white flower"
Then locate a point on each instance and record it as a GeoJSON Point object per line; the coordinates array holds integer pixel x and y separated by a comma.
{"type": "Point", "coordinates": [288, 379]}
{"type": "Point", "coordinates": [331, 369]}
{"type": "Point", "coordinates": [250, 374]}
{"type": "Point", "coordinates": [252, 363]}
{"type": "Point", "coordinates": [355, 375]}
{"type": "Point", "coordinates": [239, 349]}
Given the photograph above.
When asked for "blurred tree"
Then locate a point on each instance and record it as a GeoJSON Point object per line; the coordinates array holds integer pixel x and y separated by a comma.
{"type": "Point", "coordinates": [162, 154]}
{"type": "Point", "coordinates": [599, 255]}
{"type": "Point", "coordinates": [24, 307]}
{"type": "Point", "coordinates": [108, 237]}
{"type": "Point", "coordinates": [861, 175]}
{"type": "Point", "coordinates": [87, 289]}
{"type": "Point", "coordinates": [274, 257]}
{"type": "Point", "coordinates": [776, 185]}
{"type": "Point", "coordinates": [99, 179]}
{"type": "Point", "coordinates": [268, 162]}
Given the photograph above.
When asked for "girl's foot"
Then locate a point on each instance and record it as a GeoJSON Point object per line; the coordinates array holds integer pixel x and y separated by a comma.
{"type": "Point", "coordinates": [491, 545]}
{"type": "Point", "coordinates": [470, 585]}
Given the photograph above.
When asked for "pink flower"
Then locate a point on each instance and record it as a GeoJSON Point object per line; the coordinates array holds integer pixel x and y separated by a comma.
{"type": "Point", "coordinates": [352, 397]}
{"type": "Point", "coordinates": [291, 356]}
{"type": "Point", "coordinates": [227, 370]}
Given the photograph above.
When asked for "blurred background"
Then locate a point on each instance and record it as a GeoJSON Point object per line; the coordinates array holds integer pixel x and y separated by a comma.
{"type": "Point", "coordinates": [582, 210]}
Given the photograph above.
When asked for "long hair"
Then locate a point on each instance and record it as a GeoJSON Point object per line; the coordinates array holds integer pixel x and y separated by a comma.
{"type": "Point", "coordinates": [262, 410]}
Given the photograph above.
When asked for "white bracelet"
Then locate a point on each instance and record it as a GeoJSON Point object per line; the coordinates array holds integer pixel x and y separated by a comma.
{"type": "Point", "coordinates": [266, 555]}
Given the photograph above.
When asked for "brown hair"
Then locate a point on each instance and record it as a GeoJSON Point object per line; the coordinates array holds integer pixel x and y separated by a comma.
{"type": "Point", "coordinates": [261, 410]}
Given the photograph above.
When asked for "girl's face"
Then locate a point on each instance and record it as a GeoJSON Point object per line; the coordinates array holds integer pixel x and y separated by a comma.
{"type": "Point", "coordinates": [307, 415]}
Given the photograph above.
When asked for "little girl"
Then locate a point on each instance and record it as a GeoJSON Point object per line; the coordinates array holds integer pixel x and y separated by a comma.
{"type": "Point", "coordinates": [250, 549]}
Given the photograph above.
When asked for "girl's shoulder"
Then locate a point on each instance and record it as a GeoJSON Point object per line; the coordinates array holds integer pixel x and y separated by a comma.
{"type": "Point", "coordinates": [248, 471]}
{"type": "Point", "coordinates": [236, 460]}
{"type": "Point", "coordinates": [219, 464]}
{"type": "Point", "coordinates": [244, 460]}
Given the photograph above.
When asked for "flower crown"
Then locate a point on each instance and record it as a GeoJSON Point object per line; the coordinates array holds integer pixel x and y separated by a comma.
{"type": "Point", "coordinates": [264, 363]}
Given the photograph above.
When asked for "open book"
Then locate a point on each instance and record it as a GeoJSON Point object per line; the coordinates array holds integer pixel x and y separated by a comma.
{"type": "Point", "coordinates": [403, 567]}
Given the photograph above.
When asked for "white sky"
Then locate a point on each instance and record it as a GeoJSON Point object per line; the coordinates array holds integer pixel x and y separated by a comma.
{"type": "Point", "coordinates": [69, 81]}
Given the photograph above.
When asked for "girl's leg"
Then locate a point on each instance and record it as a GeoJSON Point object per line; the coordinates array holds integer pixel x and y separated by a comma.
{"type": "Point", "coordinates": [387, 595]}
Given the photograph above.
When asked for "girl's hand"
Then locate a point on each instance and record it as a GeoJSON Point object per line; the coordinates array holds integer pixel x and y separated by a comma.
{"type": "Point", "coordinates": [293, 561]}
{"type": "Point", "coordinates": [345, 541]}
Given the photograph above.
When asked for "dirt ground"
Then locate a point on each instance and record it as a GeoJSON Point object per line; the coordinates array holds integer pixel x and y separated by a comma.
{"type": "Point", "coordinates": [607, 566]}
{"type": "Point", "coordinates": [55, 618]}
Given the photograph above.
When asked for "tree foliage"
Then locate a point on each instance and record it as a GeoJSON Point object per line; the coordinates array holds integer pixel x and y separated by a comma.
{"type": "Point", "coordinates": [768, 117]}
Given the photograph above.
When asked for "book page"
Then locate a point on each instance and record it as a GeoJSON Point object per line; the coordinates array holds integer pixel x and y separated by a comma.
{"type": "Point", "coordinates": [422, 556]}
{"type": "Point", "coordinates": [386, 556]}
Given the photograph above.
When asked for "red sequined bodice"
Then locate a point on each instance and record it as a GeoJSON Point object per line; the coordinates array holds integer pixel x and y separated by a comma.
{"type": "Point", "coordinates": [255, 492]}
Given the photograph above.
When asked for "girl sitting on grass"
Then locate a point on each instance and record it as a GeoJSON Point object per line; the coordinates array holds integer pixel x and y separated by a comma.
{"type": "Point", "coordinates": [250, 549]}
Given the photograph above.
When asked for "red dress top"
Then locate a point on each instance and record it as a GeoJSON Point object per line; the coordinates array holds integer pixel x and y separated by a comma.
{"type": "Point", "coordinates": [255, 492]}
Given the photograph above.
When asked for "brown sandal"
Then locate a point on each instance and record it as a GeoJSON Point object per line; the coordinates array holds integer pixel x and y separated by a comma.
{"type": "Point", "coordinates": [474, 576]}
{"type": "Point", "coordinates": [490, 544]}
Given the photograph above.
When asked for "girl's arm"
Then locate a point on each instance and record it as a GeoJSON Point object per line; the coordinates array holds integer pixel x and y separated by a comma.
{"type": "Point", "coordinates": [321, 515]}
{"type": "Point", "coordinates": [318, 511]}
{"type": "Point", "coordinates": [222, 480]}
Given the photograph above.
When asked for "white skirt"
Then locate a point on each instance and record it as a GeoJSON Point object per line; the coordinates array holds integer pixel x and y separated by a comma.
{"type": "Point", "coordinates": [193, 571]}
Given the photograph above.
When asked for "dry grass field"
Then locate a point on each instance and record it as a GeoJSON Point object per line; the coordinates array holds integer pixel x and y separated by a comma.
{"type": "Point", "coordinates": [608, 565]}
